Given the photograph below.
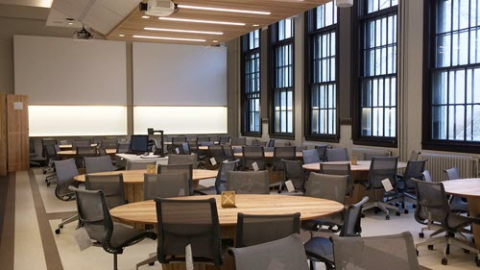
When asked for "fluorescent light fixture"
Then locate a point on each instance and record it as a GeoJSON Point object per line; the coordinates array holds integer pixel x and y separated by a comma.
{"type": "Point", "coordinates": [199, 21]}
{"type": "Point", "coordinates": [182, 31]}
{"type": "Point", "coordinates": [170, 38]}
{"type": "Point", "coordinates": [121, 35]}
{"type": "Point", "coordinates": [256, 25]}
{"type": "Point", "coordinates": [145, 17]}
{"type": "Point", "coordinates": [43, 3]}
{"type": "Point", "coordinates": [226, 10]}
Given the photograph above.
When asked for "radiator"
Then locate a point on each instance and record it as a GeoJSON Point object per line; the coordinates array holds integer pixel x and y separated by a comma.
{"type": "Point", "coordinates": [467, 166]}
{"type": "Point", "coordinates": [358, 152]}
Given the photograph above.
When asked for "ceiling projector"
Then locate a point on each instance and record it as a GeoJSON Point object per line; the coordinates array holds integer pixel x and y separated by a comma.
{"type": "Point", "coordinates": [159, 8]}
{"type": "Point", "coordinates": [82, 34]}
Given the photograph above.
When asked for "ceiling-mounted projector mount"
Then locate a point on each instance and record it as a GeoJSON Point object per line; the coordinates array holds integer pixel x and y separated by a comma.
{"type": "Point", "coordinates": [159, 8]}
{"type": "Point", "coordinates": [83, 34]}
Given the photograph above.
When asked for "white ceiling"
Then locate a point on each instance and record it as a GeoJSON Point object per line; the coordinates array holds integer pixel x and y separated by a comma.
{"type": "Point", "coordinates": [28, 3]}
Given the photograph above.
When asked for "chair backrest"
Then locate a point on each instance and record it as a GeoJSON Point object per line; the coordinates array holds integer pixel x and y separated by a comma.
{"type": "Point", "coordinates": [81, 143]}
{"type": "Point", "coordinates": [111, 185]}
{"type": "Point", "coordinates": [238, 141]}
{"type": "Point", "coordinates": [82, 153]}
{"type": "Point", "coordinates": [50, 152]}
{"type": "Point", "coordinates": [123, 148]}
{"type": "Point", "coordinates": [179, 140]}
{"type": "Point", "coordinates": [282, 153]}
{"type": "Point", "coordinates": [426, 176]}
{"type": "Point", "coordinates": [248, 182]}
{"type": "Point", "coordinates": [216, 151]}
{"type": "Point", "coordinates": [66, 171]}
{"type": "Point", "coordinates": [228, 152]}
{"type": "Point", "coordinates": [322, 151]}
{"type": "Point", "coordinates": [352, 222]}
{"type": "Point", "coordinates": [414, 170]}
{"type": "Point", "coordinates": [224, 140]}
{"type": "Point", "coordinates": [295, 173]}
{"type": "Point", "coordinates": [184, 149]}
{"type": "Point", "coordinates": [452, 173]}
{"type": "Point", "coordinates": [139, 164]}
{"type": "Point", "coordinates": [98, 164]}
{"type": "Point", "coordinates": [369, 156]}
{"type": "Point", "coordinates": [178, 168]}
{"type": "Point", "coordinates": [47, 142]}
{"type": "Point", "coordinates": [225, 166]}
{"type": "Point", "coordinates": [337, 154]}
{"type": "Point", "coordinates": [287, 253]}
{"type": "Point", "coordinates": [393, 252]}
{"type": "Point", "coordinates": [326, 186]}
{"type": "Point", "coordinates": [203, 139]}
{"type": "Point", "coordinates": [271, 143]}
{"type": "Point", "coordinates": [414, 155]}
{"type": "Point", "coordinates": [310, 156]}
{"type": "Point", "coordinates": [339, 169]}
{"type": "Point", "coordinates": [253, 154]}
{"type": "Point", "coordinates": [258, 229]}
{"type": "Point", "coordinates": [102, 151]}
{"type": "Point", "coordinates": [166, 185]}
{"type": "Point", "coordinates": [184, 222]}
{"type": "Point", "coordinates": [380, 169]}
{"type": "Point", "coordinates": [174, 159]}
{"type": "Point", "coordinates": [432, 202]}
{"type": "Point", "coordinates": [108, 144]}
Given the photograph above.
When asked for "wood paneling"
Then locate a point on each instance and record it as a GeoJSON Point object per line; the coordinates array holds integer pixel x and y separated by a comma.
{"type": "Point", "coordinates": [280, 9]}
{"type": "Point", "coordinates": [18, 144]}
{"type": "Point", "coordinates": [3, 133]}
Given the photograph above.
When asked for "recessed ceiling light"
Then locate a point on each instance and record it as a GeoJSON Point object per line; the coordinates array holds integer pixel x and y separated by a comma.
{"type": "Point", "coordinates": [145, 17]}
{"type": "Point", "coordinates": [199, 21]}
{"type": "Point", "coordinates": [70, 23]}
{"type": "Point", "coordinates": [215, 41]}
{"type": "Point", "coordinates": [121, 35]}
{"type": "Point", "coordinates": [226, 10]}
{"type": "Point", "coordinates": [256, 25]}
{"type": "Point", "coordinates": [182, 31]}
{"type": "Point", "coordinates": [170, 38]}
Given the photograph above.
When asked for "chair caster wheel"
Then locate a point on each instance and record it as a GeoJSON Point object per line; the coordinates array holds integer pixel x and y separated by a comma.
{"type": "Point", "coordinates": [397, 213]}
{"type": "Point", "coordinates": [61, 226]}
{"type": "Point", "coordinates": [430, 247]}
{"type": "Point", "coordinates": [421, 235]}
{"type": "Point", "coordinates": [466, 251]}
{"type": "Point", "coordinates": [376, 211]}
{"type": "Point", "coordinates": [57, 231]}
{"type": "Point", "coordinates": [387, 217]}
{"type": "Point", "coordinates": [151, 263]}
{"type": "Point", "coordinates": [405, 211]}
{"type": "Point", "coordinates": [48, 184]}
{"type": "Point", "coordinates": [362, 215]}
{"type": "Point", "coordinates": [477, 261]}
{"type": "Point", "coordinates": [397, 205]}
{"type": "Point", "coordinates": [417, 251]}
{"type": "Point", "coordinates": [444, 261]}
{"type": "Point", "coordinates": [414, 206]}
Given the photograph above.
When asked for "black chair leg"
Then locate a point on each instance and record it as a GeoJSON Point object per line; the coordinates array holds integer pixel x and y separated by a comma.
{"type": "Point", "coordinates": [115, 261]}
{"type": "Point", "coordinates": [329, 266]}
{"type": "Point", "coordinates": [312, 265]}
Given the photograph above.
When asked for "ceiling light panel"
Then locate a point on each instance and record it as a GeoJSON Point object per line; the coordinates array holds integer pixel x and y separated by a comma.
{"type": "Point", "coordinates": [199, 21]}
{"type": "Point", "coordinates": [170, 38]}
{"type": "Point", "coordinates": [183, 31]}
{"type": "Point", "coordinates": [225, 10]}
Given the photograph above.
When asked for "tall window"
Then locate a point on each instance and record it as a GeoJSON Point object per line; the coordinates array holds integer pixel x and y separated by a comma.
{"type": "Point", "coordinates": [377, 84]}
{"type": "Point", "coordinates": [281, 75]}
{"type": "Point", "coordinates": [321, 96]}
{"type": "Point", "coordinates": [453, 92]}
{"type": "Point", "coordinates": [251, 84]}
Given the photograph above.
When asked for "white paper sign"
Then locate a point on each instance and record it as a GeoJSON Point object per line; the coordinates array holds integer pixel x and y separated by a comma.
{"type": "Point", "coordinates": [188, 257]}
{"type": "Point", "coordinates": [18, 106]}
{"type": "Point", "coordinates": [213, 161]}
{"type": "Point", "coordinates": [82, 238]}
{"type": "Point", "coordinates": [290, 186]}
{"type": "Point", "coordinates": [387, 185]}
{"type": "Point", "coordinates": [255, 166]}
{"type": "Point", "coordinates": [177, 150]}
{"type": "Point", "coordinates": [181, 192]}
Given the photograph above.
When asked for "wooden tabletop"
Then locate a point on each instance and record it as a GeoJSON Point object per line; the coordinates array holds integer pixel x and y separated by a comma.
{"type": "Point", "coordinates": [269, 154]}
{"type": "Point", "coordinates": [362, 165]}
{"type": "Point", "coordinates": [308, 207]}
{"type": "Point", "coordinates": [468, 187]}
{"type": "Point", "coordinates": [74, 152]}
{"type": "Point", "coordinates": [136, 176]}
{"type": "Point", "coordinates": [69, 146]}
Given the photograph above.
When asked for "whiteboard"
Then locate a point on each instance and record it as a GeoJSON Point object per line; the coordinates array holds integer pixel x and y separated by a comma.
{"type": "Point", "coordinates": [64, 71]}
{"type": "Point", "coordinates": [179, 75]}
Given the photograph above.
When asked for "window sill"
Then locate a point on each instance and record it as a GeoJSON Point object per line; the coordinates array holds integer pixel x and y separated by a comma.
{"type": "Point", "coordinates": [452, 146]}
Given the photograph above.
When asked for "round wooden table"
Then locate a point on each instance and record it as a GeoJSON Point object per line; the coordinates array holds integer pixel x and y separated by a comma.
{"type": "Point", "coordinates": [72, 153]}
{"type": "Point", "coordinates": [133, 181]}
{"type": "Point", "coordinates": [69, 146]}
{"type": "Point", "coordinates": [468, 188]}
{"type": "Point", "coordinates": [269, 154]}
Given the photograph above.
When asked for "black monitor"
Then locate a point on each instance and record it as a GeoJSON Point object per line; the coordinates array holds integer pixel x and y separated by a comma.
{"type": "Point", "coordinates": [139, 143]}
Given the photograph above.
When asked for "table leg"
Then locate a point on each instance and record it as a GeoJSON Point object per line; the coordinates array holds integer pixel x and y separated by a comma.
{"type": "Point", "coordinates": [474, 209]}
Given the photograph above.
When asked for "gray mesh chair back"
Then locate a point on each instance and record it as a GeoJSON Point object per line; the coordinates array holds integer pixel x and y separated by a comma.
{"type": "Point", "coordinates": [238, 141]}
{"type": "Point", "coordinates": [47, 142]}
{"type": "Point", "coordinates": [203, 139]}
{"type": "Point", "coordinates": [188, 222]}
{"type": "Point", "coordinates": [81, 143]}
{"type": "Point", "coordinates": [253, 154]}
{"type": "Point", "coordinates": [166, 185]}
{"type": "Point", "coordinates": [216, 151]}
{"type": "Point", "coordinates": [352, 222]}
{"type": "Point", "coordinates": [414, 170]}
{"type": "Point", "coordinates": [224, 140]}
{"type": "Point", "coordinates": [294, 172]}
{"type": "Point", "coordinates": [102, 151]}
{"type": "Point", "coordinates": [286, 253]}
{"type": "Point", "coordinates": [66, 171]}
{"type": "Point", "coordinates": [456, 202]}
{"type": "Point", "coordinates": [337, 154]}
{"type": "Point", "coordinates": [82, 153]}
{"type": "Point", "coordinates": [271, 143]}
{"type": "Point", "coordinates": [111, 186]}
{"type": "Point", "coordinates": [50, 151]}
{"type": "Point", "coordinates": [225, 166]}
{"type": "Point", "coordinates": [258, 229]}
{"type": "Point", "coordinates": [63, 142]}
{"type": "Point", "coordinates": [248, 182]}
{"type": "Point", "coordinates": [426, 176]}
{"type": "Point", "coordinates": [432, 202]}
{"type": "Point", "coordinates": [414, 156]}
{"type": "Point", "coordinates": [139, 164]}
{"type": "Point", "coordinates": [452, 173]}
{"type": "Point", "coordinates": [282, 153]}
{"type": "Point", "coordinates": [369, 156]}
{"type": "Point", "coordinates": [178, 168]}
{"type": "Point", "coordinates": [326, 186]}
{"type": "Point", "coordinates": [392, 252]}
{"type": "Point", "coordinates": [380, 169]}
{"type": "Point", "coordinates": [179, 140]}
{"type": "Point", "coordinates": [183, 159]}
{"type": "Point", "coordinates": [98, 164]}
{"type": "Point", "coordinates": [123, 148]}
{"type": "Point", "coordinates": [185, 149]}
{"type": "Point", "coordinates": [228, 152]}
{"type": "Point", "coordinates": [310, 156]}
{"type": "Point", "coordinates": [322, 151]}
{"type": "Point", "coordinates": [339, 169]}
{"type": "Point", "coordinates": [193, 146]}
{"type": "Point", "coordinates": [108, 144]}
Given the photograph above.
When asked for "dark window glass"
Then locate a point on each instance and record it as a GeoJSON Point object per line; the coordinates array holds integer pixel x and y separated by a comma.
{"type": "Point", "coordinates": [251, 83]}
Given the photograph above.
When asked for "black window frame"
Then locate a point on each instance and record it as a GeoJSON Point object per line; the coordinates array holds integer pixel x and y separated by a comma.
{"type": "Point", "coordinates": [273, 44]}
{"type": "Point", "coordinates": [359, 17]}
{"type": "Point", "coordinates": [246, 97]}
{"type": "Point", "coordinates": [310, 33]}
{"type": "Point", "coordinates": [428, 142]}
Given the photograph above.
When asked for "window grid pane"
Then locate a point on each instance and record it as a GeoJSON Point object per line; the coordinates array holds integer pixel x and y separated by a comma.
{"type": "Point", "coordinates": [251, 82]}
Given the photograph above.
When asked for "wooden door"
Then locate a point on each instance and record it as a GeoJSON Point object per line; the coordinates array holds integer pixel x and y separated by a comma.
{"type": "Point", "coordinates": [3, 133]}
{"type": "Point", "coordinates": [17, 122]}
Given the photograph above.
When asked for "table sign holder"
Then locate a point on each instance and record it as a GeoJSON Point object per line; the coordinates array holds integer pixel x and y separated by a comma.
{"type": "Point", "coordinates": [353, 160]}
{"type": "Point", "coordinates": [228, 199]}
{"type": "Point", "coordinates": [151, 169]}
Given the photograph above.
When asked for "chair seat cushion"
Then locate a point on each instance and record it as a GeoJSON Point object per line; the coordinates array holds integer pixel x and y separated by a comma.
{"type": "Point", "coordinates": [125, 236]}
{"type": "Point", "coordinates": [319, 249]}
{"type": "Point", "coordinates": [458, 221]}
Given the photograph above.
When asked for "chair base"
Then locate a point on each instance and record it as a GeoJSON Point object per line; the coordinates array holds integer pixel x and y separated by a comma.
{"type": "Point", "coordinates": [66, 221]}
{"type": "Point", "coordinates": [382, 206]}
{"type": "Point", "coordinates": [150, 260]}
